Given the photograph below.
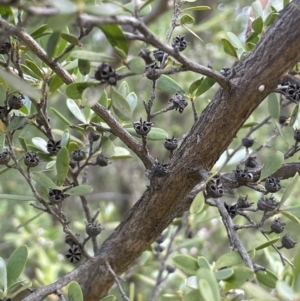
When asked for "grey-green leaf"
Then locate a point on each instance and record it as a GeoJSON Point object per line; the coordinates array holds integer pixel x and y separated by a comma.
{"type": "Point", "coordinates": [3, 274]}
{"type": "Point", "coordinates": [80, 190]}
{"type": "Point", "coordinates": [75, 110]}
{"type": "Point", "coordinates": [273, 163]}
{"type": "Point", "coordinates": [168, 85]}
{"type": "Point", "coordinates": [74, 292]}
{"type": "Point", "coordinates": [137, 65]}
{"type": "Point", "coordinates": [93, 56]}
{"type": "Point", "coordinates": [62, 165]}
{"type": "Point", "coordinates": [120, 105]}
{"type": "Point", "coordinates": [16, 264]}
{"type": "Point", "coordinates": [186, 263]}
{"type": "Point", "coordinates": [43, 180]}
{"type": "Point", "coordinates": [108, 148]}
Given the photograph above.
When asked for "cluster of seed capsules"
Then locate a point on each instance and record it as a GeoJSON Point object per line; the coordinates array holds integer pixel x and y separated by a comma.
{"type": "Point", "coordinates": [250, 175]}
{"type": "Point", "coordinates": [74, 253]}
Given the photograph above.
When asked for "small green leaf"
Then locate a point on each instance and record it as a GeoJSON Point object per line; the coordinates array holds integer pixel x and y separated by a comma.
{"type": "Point", "coordinates": [234, 40]}
{"type": "Point", "coordinates": [267, 243]}
{"type": "Point", "coordinates": [43, 180]}
{"type": "Point", "coordinates": [65, 6]}
{"type": "Point", "coordinates": [208, 276]}
{"type": "Point", "coordinates": [84, 66]}
{"type": "Point", "coordinates": [296, 262]}
{"type": "Point", "coordinates": [124, 89]}
{"type": "Point", "coordinates": [281, 132]}
{"type": "Point", "coordinates": [270, 18]}
{"type": "Point", "coordinates": [187, 19]}
{"type": "Point", "coordinates": [62, 165]}
{"type": "Point", "coordinates": [52, 43]}
{"type": "Point", "coordinates": [228, 48]}
{"type": "Point", "coordinates": [18, 287]}
{"type": "Point", "coordinates": [16, 264]}
{"type": "Point", "coordinates": [137, 65]}
{"type": "Point", "coordinates": [223, 274]}
{"type": "Point", "coordinates": [74, 292]}
{"type": "Point", "coordinates": [15, 197]}
{"type": "Point", "coordinates": [70, 38]}
{"type": "Point", "coordinates": [29, 221]}
{"type": "Point", "coordinates": [258, 292]}
{"type": "Point", "coordinates": [258, 25]}
{"type": "Point", "coordinates": [273, 163]}
{"type": "Point", "coordinates": [61, 117]}
{"type": "Point", "coordinates": [80, 190]}
{"type": "Point", "coordinates": [202, 7]}
{"type": "Point", "coordinates": [144, 4]}
{"type": "Point", "coordinates": [132, 100]}
{"type": "Point", "coordinates": [168, 85]}
{"type": "Point", "coordinates": [115, 36]}
{"type": "Point", "coordinates": [198, 204]}
{"type": "Point", "coordinates": [192, 32]}
{"type": "Point", "coordinates": [55, 83]}
{"type": "Point", "coordinates": [205, 85]}
{"type": "Point", "coordinates": [17, 123]}
{"type": "Point", "coordinates": [203, 262]}
{"type": "Point", "coordinates": [193, 295]}
{"type": "Point", "coordinates": [120, 105]}
{"type": "Point", "coordinates": [103, 99]}
{"type": "Point", "coordinates": [19, 84]}
{"type": "Point", "coordinates": [34, 67]}
{"type": "Point", "coordinates": [108, 298]}
{"type": "Point", "coordinates": [294, 115]}
{"type": "Point", "coordinates": [239, 277]}
{"type": "Point", "coordinates": [205, 290]}
{"type": "Point", "coordinates": [75, 90]}
{"type": "Point", "coordinates": [284, 291]}
{"type": "Point", "coordinates": [257, 9]}
{"type": "Point", "coordinates": [289, 189]}
{"type": "Point", "coordinates": [108, 148]}
{"type": "Point", "coordinates": [186, 263]}
{"type": "Point", "coordinates": [93, 56]}
{"type": "Point", "coordinates": [267, 278]}
{"type": "Point", "coordinates": [92, 95]}
{"type": "Point", "coordinates": [120, 53]}
{"type": "Point", "coordinates": [39, 31]}
{"type": "Point", "coordinates": [154, 134]}
{"type": "Point", "coordinates": [59, 22]}
{"type": "Point", "coordinates": [290, 216]}
{"type": "Point", "coordinates": [75, 110]}
{"type": "Point", "coordinates": [3, 274]}
{"type": "Point", "coordinates": [21, 140]}
{"type": "Point", "coordinates": [273, 105]}
{"type": "Point", "coordinates": [121, 153]}
{"type": "Point", "coordinates": [228, 260]}
{"type": "Point", "coordinates": [40, 143]}
{"type": "Point", "coordinates": [195, 85]}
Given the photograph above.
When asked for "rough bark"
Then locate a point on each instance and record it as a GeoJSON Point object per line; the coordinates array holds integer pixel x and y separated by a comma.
{"type": "Point", "coordinates": [218, 124]}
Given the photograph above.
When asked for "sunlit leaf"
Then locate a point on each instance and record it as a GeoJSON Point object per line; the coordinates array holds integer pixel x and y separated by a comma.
{"type": "Point", "coordinates": [75, 90]}
{"type": "Point", "coordinates": [92, 95]}
{"type": "Point", "coordinates": [258, 292]}
{"type": "Point", "coordinates": [257, 9]}
{"type": "Point", "coordinates": [195, 85]}
{"type": "Point", "coordinates": [65, 6]}
{"type": "Point", "coordinates": [206, 291]}
{"type": "Point", "coordinates": [203, 262]}
{"type": "Point", "coordinates": [19, 84]}
{"type": "Point", "coordinates": [35, 68]}
{"type": "Point", "coordinates": [272, 164]}
{"type": "Point", "coordinates": [55, 83]}
{"type": "Point", "coordinates": [80, 190]}
{"type": "Point", "coordinates": [228, 260]}
{"type": "Point", "coordinates": [192, 32]}
{"type": "Point", "coordinates": [39, 31]}
{"type": "Point", "coordinates": [168, 85]}
{"type": "Point", "coordinates": [234, 40]}
{"type": "Point", "coordinates": [18, 287]}
{"type": "Point", "coordinates": [223, 274]}
{"type": "Point", "coordinates": [132, 100]}
{"type": "Point", "coordinates": [115, 36]}
{"type": "Point", "coordinates": [75, 110]}
{"type": "Point", "coordinates": [284, 291]}
{"type": "Point", "coordinates": [40, 143]}
{"type": "Point", "coordinates": [16, 264]}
